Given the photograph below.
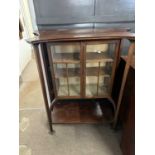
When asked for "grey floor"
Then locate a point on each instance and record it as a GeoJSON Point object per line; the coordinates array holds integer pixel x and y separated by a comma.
{"type": "Point", "coordinates": [35, 139]}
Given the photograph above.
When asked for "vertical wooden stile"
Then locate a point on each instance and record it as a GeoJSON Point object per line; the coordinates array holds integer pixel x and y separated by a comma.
{"type": "Point", "coordinates": [98, 77]}
{"type": "Point", "coordinates": [67, 79]}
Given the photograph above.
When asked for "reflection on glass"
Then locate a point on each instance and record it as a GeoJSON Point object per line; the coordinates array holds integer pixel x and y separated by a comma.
{"type": "Point", "coordinates": [66, 63]}
{"type": "Point", "coordinates": [99, 62]}
{"type": "Point", "coordinates": [66, 53]}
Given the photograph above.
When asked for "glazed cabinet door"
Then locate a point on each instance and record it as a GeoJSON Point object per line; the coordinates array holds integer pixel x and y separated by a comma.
{"type": "Point", "coordinates": [65, 65]}
{"type": "Point", "coordinates": [100, 61]}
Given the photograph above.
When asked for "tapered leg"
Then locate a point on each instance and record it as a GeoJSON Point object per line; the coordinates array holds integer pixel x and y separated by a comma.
{"type": "Point", "coordinates": [43, 79]}
{"type": "Point", "coordinates": [50, 115]}
{"type": "Point", "coordinates": [50, 122]}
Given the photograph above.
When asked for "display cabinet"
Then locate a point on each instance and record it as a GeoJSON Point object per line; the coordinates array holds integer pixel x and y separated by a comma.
{"type": "Point", "coordinates": [82, 70]}
{"type": "Point", "coordinates": [77, 64]}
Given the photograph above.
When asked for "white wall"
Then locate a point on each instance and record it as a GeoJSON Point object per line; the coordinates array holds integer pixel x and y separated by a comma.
{"type": "Point", "coordinates": [25, 49]}
{"type": "Point", "coordinates": [25, 52]}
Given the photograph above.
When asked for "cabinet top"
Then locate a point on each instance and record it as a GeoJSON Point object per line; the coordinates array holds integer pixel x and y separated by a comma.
{"type": "Point", "coordinates": [80, 34]}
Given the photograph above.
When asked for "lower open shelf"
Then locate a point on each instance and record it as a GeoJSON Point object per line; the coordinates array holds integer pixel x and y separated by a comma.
{"type": "Point", "coordinates": [83, 111]}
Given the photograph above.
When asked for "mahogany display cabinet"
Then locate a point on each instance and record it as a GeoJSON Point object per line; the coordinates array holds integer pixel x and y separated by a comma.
{"type": "Point", "coordinates": [77, 64]}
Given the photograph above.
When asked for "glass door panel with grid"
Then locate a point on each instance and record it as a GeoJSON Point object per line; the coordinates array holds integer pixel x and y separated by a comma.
{"type": "Point", "coordinates": [99, 66]}
{"type": "Point", "coordinates": [66, 68]}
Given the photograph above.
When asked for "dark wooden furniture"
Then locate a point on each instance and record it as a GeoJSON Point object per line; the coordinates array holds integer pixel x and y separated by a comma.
{"type": "Point", "coordinates": [130, 62]}
{"type": "Point", "coordinates": [126, 109]}
{"type": "Point", "coordinates": [126, 115]}
{"type": "Point", "coordinates": [77, 64]}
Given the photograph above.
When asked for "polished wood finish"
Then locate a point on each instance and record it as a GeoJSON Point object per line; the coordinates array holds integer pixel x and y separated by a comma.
{"type": "Point", "coordinates": [83, 71]}
{"type": "Point", "coordinates": [80, 111]}
{"type": "Point", "coordinates": [45, 61]}
{"type": "Point", "coordinates": [80, 34]}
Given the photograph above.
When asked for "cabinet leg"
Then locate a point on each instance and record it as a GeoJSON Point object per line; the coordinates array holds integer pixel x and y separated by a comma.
{"type": "Point", "coordinates": [50, 116]}
{"type": "Point", "coordinates": [50, 123]}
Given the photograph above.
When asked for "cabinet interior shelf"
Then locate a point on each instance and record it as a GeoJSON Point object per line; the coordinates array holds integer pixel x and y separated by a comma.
{"type": "Point", "coordinates": [73, 72]}
{"type": "Point", "coordinates": [98, 57]}
{"type": "Point", "coordinates": [75, 57]}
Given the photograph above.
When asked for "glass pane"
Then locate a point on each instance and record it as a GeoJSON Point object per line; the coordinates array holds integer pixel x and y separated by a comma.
{"type": "Point", "coordinates": [74, 80]}
{"type": "Point", "coordinates": [66, 63]}
{"type": "Point", "coordinates": [99, 63]}
{"type": "Point", "coordinates": [66, 53]}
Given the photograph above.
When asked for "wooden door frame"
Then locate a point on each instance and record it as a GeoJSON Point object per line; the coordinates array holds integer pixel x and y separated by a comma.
{"type": "Point", "coordinates": [49, 44]}
{"type": "Point", "coordinates": [117, 42]}
{"type": "Point", "coordinates": [83, 45]}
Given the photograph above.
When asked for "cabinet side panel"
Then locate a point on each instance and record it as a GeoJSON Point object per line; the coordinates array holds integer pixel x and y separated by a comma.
{"type": "Point", "coordinates": [42, 80]}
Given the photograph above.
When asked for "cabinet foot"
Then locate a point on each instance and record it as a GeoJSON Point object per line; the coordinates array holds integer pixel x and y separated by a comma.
{"type": "Point", "coordinates": [52, 132]}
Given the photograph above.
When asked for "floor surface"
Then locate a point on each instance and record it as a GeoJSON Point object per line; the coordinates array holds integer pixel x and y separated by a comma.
{"type": "Point", "coordinates": [73, 139]}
